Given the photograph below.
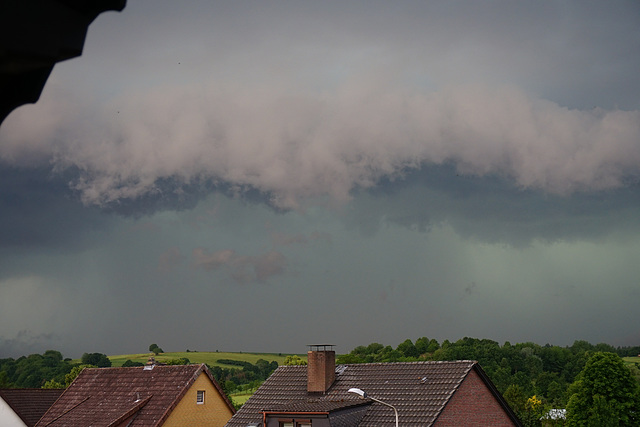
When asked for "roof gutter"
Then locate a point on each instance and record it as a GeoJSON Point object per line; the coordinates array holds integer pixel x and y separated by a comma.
{"type": "Point", "coordinates": [264, 413]}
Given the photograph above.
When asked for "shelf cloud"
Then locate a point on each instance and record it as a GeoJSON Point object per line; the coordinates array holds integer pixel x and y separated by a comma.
{"type": "Point", "coordinates": [439, 169]}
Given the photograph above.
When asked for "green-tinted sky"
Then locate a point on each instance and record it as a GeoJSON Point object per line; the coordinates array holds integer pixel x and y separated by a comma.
{"type": "Point", "coordinates": [259, 176]}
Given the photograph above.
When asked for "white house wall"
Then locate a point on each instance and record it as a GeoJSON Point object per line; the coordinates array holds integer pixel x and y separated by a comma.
{"type": "Point", "coordinates": [8, 418]}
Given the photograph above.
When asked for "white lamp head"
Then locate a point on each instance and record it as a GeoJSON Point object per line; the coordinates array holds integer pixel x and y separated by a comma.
{"type": "Point", "coordinates": [359, 392]}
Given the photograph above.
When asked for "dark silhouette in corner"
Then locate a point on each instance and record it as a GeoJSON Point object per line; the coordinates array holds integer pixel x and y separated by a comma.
{"type": "Point", "coordinates": [34, 36]}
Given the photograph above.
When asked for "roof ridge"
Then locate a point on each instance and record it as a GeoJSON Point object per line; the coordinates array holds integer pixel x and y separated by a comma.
{"type": "Point", "coordinates": [432, 382]}
{"type": "Point", "coordinates": [452, 391]}
{"type": "Point", "coordinates": [67, 411]}
{"type": "Point", "coordinates": [218, 387]}
{"type": "Point", "coordinates": [183, 390]}
{"type": "Point", "coordinates": [123, 368]}
{"type": "Point", "coordinates": [109, 389]}
{"type": "Point", "coordinates": [415, 362]}
{"type": "Point", "coordinates": [135, 408]}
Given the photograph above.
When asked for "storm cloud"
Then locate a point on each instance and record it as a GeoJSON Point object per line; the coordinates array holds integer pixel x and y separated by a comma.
{"type": "Point", "coordinates": [428, 169]}
{"type": "Point", "coordinates": [302, 146]}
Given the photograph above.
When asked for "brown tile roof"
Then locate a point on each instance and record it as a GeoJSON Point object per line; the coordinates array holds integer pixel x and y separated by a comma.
{"type": "Point", "coordinates": [30, 403]}
{"type": "Point", "coordinates": [418, 390]}
{"type": "Point", "coordinates": [108, 396]}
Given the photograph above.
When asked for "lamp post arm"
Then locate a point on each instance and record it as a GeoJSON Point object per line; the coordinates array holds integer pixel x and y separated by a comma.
{"type": "Point", "coordinates": [395, 411]}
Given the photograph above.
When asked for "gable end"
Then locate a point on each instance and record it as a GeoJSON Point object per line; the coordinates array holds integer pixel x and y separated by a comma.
{"type": "Point", "coordinates": [476, 402]}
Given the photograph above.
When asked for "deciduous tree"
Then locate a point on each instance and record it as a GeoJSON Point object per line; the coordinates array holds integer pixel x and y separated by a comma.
{"type": "Point", "coordinates": [130, 363]}
{"type": "Point", "coordinates": [68, 379]}
{"type": "Point", "coordinates": [97, 359]}
{"type": "Point", "coordinates": [604, 393]}
{"type": "Point", "coordinates": [408, 349]}
{"type": "Point", "coordinates": [294, 360]}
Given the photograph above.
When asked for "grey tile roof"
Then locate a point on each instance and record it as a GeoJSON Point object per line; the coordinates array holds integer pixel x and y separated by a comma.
{"type": "Point", "coordinates": [30, 403]}
{"type": "Point", "coordinates": [419, 390]}
{"type": "Point", "coordinates": [106, 396]}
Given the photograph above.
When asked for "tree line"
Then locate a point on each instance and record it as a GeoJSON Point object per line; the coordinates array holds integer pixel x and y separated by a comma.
{"type": "Point", "coordinates": [246, 376]}
{"type": "Point", "coordinates": [531, 377]}
{"type": "Point", "coordinates": [49, 368]}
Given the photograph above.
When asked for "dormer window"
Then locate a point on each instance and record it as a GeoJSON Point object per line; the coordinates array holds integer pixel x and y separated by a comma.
{"type": "Point", "coordinates": [200, 397]}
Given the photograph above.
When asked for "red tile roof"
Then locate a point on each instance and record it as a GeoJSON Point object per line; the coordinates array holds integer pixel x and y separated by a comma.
{"type": "Point", "coordinates": [418, 390]}
{"type": "Point", "coordinates": [30, 403]}
{"type": "Point", "coordinates": [108, 396]}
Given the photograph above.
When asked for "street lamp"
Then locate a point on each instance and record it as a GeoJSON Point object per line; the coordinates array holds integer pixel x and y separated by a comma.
{"type": "Point", "coordinates": [363, 395]}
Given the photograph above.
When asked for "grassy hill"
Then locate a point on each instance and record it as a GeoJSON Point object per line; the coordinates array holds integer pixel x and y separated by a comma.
{"type": "Point", "coordinates": [208, 357]}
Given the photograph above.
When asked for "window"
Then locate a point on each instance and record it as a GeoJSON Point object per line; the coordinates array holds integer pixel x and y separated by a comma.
{"type": "Point", "coordinates": [294, 423]}
{"type": "Point", "coordinates": [200, 397]}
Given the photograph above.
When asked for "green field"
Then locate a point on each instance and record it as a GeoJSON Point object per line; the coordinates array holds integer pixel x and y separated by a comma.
{"type": "Point", "coordinates": [631, 360]}
{"type": "Point", "coordinates": [239, 399]}
{"type": "Point", "coordinates": [208, 357]}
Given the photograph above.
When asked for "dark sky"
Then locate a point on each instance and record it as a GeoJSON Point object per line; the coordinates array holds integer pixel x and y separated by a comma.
{"type": "Point", "coordinates": [259, 176]}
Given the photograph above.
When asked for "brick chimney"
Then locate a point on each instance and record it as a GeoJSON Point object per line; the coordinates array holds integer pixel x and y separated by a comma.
{"type": "Point", "coordinates": [321, 367]}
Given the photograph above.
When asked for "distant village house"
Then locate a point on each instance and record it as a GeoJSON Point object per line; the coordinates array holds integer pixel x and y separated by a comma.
{"type": "Point", "coordinates": [153, 395]}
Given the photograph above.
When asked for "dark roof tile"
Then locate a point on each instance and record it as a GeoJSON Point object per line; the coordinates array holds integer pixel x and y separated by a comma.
{"type": "Point", "coordinates": [101, 396]}
{"type": "Point", "coordinates": [30, 403]}
{"type": "Point", "coordinates": [419, 391]}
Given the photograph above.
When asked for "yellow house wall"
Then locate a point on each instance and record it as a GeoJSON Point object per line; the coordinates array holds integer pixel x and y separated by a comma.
{"type": "Point", "coordinates": [213, 412]}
